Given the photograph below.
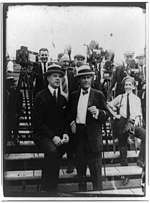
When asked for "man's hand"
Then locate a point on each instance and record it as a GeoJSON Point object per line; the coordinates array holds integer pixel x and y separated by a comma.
{"type": "Point", "coordinates": [73, 127]}
{"type": "Point", "coordinates": [57, 141]}
{"type": "Point", "coordinates": [65, 138]}
{"type": "Point", "coordinates": [94, 111]}
{"type": "Point", "coordinates": [137, 121]}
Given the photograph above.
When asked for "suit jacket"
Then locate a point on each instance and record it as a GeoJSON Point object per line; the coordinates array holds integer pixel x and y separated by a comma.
{"type": "Point", "coordinates": [118, 76]}
{"type": "Point", "coordinates": [49, 118]}
{"type": "Point", "coordinates": [94, 126]}
{"type": "Point", "coordinates": [72, 82]}
{"type": "Point", "coordinates": [41, 82]}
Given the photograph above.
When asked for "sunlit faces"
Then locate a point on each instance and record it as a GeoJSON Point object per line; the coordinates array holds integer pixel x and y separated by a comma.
{"type": "Point", "coordinates": [128, 86]}
{"type": "Point", "coordinates": [43, 56]}
{"type": "Point", "coordinates": [85, 81]}
{"type": "Point", "coordinates": [54, 80]}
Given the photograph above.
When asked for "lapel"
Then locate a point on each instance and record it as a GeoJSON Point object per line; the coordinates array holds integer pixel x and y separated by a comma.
{"type": "Point", "coordinates": [48, 95]}
{"type": "Point", "coordinates": [91, 98]}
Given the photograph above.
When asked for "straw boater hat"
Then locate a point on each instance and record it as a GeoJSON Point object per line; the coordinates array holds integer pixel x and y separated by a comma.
{"type": "Point", "coordinates": [54, 68]}
{"type": "Point", "coordinates": [79, 56]}
{"type": "Point", "coordinates": [84, 70]}
{"type": "Point", "coordinates": [128, 78]}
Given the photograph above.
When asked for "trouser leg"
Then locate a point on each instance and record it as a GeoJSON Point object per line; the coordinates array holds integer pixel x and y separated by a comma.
{"type": "Point", "coordinates": [95, 165]}
{"type": "Point", "coordinates": [80, 158]}
{"type": "Point", "coordinates": [51, 164]}
{"type": "Point", "coordinates": [141, 134]}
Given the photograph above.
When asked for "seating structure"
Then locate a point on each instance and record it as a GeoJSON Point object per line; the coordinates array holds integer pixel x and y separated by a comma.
{"type": "Point", "coordinates": [22, 168]}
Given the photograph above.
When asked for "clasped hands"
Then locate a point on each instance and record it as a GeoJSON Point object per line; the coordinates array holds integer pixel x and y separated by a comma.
{"type": "Point", "coordinates": [58, 142]}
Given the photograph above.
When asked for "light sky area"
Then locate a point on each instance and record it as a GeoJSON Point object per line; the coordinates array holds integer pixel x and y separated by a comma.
{"type": "Point", "coordinates": [116, 28]}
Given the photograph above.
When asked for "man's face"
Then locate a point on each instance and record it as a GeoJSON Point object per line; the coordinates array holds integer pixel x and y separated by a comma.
{"type": "Point", "coordinates": [85, 81]}
{"type": "Point", "coordinates": [141, 61]}
{"type": "Point", "coordinates": [54, 80]}
{"type": "Point", "coordinates": [78, 61]}
{"type": "Point", "coordinates": [64, 64]}
{"type": "Point", "coordinates": [128, 59]}
{"type": "Point", "coordinates": [128, 86]}
{"type": "Point", "coordinates": [44, 56]}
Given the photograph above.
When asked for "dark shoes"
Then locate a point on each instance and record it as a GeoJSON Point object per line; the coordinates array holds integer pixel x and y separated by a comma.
{"type": "Point", "coordinates": [70, 168]}
{"type": "Point", "coordinates": [125, 180]}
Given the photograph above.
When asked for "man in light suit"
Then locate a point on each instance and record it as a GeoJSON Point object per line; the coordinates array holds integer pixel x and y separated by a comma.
{"type": "Point", "coordinates": [87, 111]}
{"type": "Point", "coordinates": [68, 85]}
{"type": "Point", "coordinates": [50, 126]}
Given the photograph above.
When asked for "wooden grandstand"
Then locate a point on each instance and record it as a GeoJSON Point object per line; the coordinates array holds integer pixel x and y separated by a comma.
{"type": "Point", "coordinates": [22, 167]}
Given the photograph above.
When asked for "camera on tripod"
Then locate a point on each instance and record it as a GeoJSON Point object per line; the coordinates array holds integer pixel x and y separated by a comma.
{"type": "Point", "coordinates": [24, 57]}
{"type": "Point", "coordinates": [108, 69]}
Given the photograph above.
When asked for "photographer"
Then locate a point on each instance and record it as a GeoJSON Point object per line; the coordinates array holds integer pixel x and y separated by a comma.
{"type": "Point", "coordinates": [122, 71]}
{"type": "Point", "coordinates": [128, 122]}
{"type": "Point", "coordinates": [50, 127]}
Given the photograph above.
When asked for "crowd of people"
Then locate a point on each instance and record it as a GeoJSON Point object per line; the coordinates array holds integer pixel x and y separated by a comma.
{"type": "Point", "coordinates": [73, 99]}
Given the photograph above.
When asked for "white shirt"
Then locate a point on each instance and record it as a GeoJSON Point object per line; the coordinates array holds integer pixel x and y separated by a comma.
{"type": "Point", "coordinates": [82, 107]}
{"type": "Point", "coordinates": [42, 64]}
{"type": "Point", "coordinates": [134, 102]}
{"type": "Point", "coordinates": [51, 89]}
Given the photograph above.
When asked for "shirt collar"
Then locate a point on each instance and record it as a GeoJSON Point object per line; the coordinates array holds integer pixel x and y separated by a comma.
{"type": "Point", "coordinates": [125, 94]}
{"type": "Point", "coordinates": [51, 89]}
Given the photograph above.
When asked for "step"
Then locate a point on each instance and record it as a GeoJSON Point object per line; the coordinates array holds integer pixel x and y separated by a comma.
{"type": "Point", "coordinates": [29, 146]}
{"type": "Point", "coordinates": [27, 156]}
{"type": "Point", "coordinates": [72, 188]}
{"type": "Point", "coordinates": [117, 171]}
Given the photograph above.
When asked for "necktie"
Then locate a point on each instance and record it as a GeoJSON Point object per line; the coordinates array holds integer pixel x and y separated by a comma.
{"type": "Point", "coordinates": [44, 67]}
{"type": "Point", "coordinates": [54, 96]}
{"type": "Point", "coordinates": [128, 107]}
{"type": "Point", "coordinates": [64, 85]}
{"type": "Point", "coordinates": [85, 92]}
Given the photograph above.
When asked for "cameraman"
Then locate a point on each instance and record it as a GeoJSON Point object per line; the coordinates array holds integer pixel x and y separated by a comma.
{"type": "Point", "coordinates": [39, 69]}
{"type": "Point", "coordinates": [122, 71]}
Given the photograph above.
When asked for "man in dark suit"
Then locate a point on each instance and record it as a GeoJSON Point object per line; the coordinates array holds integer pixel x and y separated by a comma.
{"type": "Point", "coordinates": [68, 85]}
{"type": "Point", "coordinates": [50, 126]}
{"type": "Point", "coordinates": [87, 111]}
{"type": "Point", "coordinates": [39, 69]}
{"type": "Point", "coordinates": [122, 71]}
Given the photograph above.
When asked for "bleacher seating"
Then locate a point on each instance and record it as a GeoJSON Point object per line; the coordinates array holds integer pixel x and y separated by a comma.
{"type": "Point", "coordinates": [22, 168]}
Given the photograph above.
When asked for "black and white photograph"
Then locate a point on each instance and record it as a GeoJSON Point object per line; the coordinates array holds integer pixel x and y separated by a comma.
{"type": "Point", "coordinates": [75, 101]}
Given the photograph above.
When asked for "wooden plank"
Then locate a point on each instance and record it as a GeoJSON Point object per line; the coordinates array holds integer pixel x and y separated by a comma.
{"type": "Point", "coordinates": [36, 174]}
{"type": "Point", "coordinates": [25, 156]}
{"type": "Point", "coordinates": [129, 170]}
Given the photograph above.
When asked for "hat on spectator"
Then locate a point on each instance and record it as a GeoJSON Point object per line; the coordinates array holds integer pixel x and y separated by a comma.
{"type": "Point", "coordinates": [128, 78]}
{"type": "Point", "coordinates": [54, 68]}
{"type": "Point", "coordinates": [65, 57]}
{"type": "Point", "coordinates": [84, 70]}
{"type": "Point", "coordinates": [129, 53]}
{"type": "Point", "coordinates": [79, 56]}
{"type": "Point", "coordinates": [140, 56]}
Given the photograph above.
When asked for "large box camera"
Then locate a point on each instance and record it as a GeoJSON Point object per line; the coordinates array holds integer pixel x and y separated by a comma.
{"type": "Point", "coordinates": [24, 57]}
